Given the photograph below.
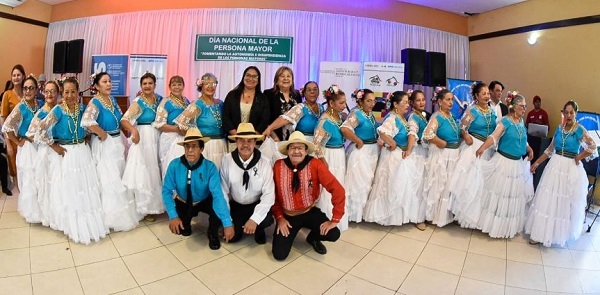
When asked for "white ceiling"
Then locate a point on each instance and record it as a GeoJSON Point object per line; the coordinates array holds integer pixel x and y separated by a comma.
{"type": "Point", "coordinates": [461, 6]}
{"type": "Point", "coordinates": [53, 2]}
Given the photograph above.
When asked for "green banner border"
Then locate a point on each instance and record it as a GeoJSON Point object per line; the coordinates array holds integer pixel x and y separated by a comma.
{"type": "Point", "coordinates": [289, 60]}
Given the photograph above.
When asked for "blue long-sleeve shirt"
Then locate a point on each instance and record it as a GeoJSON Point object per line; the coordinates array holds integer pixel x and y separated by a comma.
{"type": "Point", "coordinates": [206, 181]}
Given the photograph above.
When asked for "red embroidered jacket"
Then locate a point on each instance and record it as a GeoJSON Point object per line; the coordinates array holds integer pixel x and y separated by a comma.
{"type": "Point", "coordinates": [312, 177]}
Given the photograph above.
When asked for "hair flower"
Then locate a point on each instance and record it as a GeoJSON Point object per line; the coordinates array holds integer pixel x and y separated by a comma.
{"type": "Point", "coordinates": [333, 89]}
{"type": "Point", "coordinates": [510, 95]}
{"type": "Point", "coordinates": [437, 91]}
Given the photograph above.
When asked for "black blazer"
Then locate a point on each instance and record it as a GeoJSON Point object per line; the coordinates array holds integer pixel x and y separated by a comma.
{"type": "Point", "coordinates": [259, 112]}
{"type": "Point", "coordinates": [275, 106]}
{"type": "Point", "coordinates": [504, 109]}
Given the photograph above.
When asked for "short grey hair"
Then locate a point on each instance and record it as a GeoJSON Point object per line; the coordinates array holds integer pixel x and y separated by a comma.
{"type": "Point", "coordinates": [209, 76]}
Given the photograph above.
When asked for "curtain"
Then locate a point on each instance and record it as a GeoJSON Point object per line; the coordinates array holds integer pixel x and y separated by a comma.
{"type": "Point", "coordinates": [317, 37]}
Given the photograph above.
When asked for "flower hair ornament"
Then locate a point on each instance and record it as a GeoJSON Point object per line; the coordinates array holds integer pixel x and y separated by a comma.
{"type": "Point", "coordinates": [388, 100]}
{"type": "Point", "coordinates": [437, 91]}
{"type": "Point", "coordinates": [510, 95]}
{"type": "Point", "coordinates": [409, 92]}
{"type": "Point", "coordinates": [333, 89]}
{"type": "Point", "coordinates": [358, 94]}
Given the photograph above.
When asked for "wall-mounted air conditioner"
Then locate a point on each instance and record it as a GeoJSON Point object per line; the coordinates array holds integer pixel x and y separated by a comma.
{"type": "Point", "coordinates": [12, 3]}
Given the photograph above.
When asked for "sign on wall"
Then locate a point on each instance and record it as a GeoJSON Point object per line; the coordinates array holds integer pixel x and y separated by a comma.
{"type": "Point", "coordinates": [143, 63]}
{"type": "Point", "coordinates": [244, 48]}
{"type": "Point", "coordinates": [116, 67]}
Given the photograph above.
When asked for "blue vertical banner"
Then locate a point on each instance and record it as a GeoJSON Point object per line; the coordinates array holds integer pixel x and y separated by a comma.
{"type": "Point", "coordinates": [116, 66]}
{"type": "Point", "coordinates": [462, 95]}
{"type": "Point", "coordinates": [589, 120]}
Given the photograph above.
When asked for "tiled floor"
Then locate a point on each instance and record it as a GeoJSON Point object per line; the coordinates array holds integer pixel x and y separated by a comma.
{"type": "Point", "coordinates": [369, 259]}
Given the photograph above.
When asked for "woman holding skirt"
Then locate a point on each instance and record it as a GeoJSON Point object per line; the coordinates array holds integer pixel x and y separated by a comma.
{"type": "Point", "coordinates": [442, 134]}
{"type": "Point", "coordinates": [16, 126]}
{"type": "Point", "coordinates": [102, 117]}
{"type": "Point", "coordinates": [329, 146]}
{"type": "Point", "coordinates": [557, 213]}
{"type": "Point", "coordinates": [362, 154]}
{"type": "Point", "coordinates": [75, 205]}
{"type": "Point", "coordinates": [508, 182]}
{"type": "Point", "coordinates": [394, 189]}
{"type": "Point", "coordinates": [142, 171]}
{"type": "Point", "coordinates": [167, 111]}
{"type": "Point", "coordinates": [466, 185]}
{"type": "Point", "coordinates": [206, 114]}
{"type": "Point", "coordinates": [42, 171]}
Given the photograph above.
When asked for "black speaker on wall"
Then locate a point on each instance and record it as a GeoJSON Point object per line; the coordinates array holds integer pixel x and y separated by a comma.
{"type": "Point", "coordinates": [414, 65]}
{"type": "Point", "coordinates": [59, 62]}
{"type": "Point", "coordinates": [435, 71]}
{"type": "Point", "coordinates": [75, 56]}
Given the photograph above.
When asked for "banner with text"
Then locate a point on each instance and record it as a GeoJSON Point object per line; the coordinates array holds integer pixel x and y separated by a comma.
{"type": "Point", "coordinates": [382, 78]}
{"type": "Point", "coordinates": [116, 67]}
{"type": "Point", "coordinates": [462, 96]}
{"type": "Point", "coordinates": [142, 63]}
{"type": "Point", "coordinates": [345, 74]}
{"type": "Point", "coordinates": [244, 48]}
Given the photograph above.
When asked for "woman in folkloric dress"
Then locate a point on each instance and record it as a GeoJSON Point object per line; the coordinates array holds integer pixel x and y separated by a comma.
{"type": "Point", "coordinates": [508, 181]}
{"type": "Point", "coordinates": [206, 114]}
{"type": "Point", "coordinates": [442, 133]}
{"type": "Point", "coordinates": [329, 146]}
{"type": "Point", "coordinates": [391, 201]}
{"type": "Point", "coordinates": [16, 126]}
{"type": "Point", "coordinates": [42, 172]}
{"type": "Point", "coordinates": [466, 185]}
{"type": "Point", "coordinates": [363, 152]}
{"type": "Point", "coordinates": [102, 117]}
{"type": "Point", "coordinates": [557, 212]}
{"type": "Point", "coordinates": [142, 176]}
{"type": "Point", "coordinates": [75, 205]}
{"type": "Point", "coordinates": [167, 111]}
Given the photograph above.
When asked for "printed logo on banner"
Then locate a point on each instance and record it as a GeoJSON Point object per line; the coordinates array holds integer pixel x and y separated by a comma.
{"type": "Point", "coordinates": [116, 67]}
{"type": "Point", "coordinates": [462, 95]}
{"type": "Point", "coordinates": [244, 48]}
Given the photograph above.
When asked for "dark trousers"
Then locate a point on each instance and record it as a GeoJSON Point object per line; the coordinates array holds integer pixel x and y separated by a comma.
{"type": "Point", "coordinates": [311, 220]}
{"type": "Point", "coordinates": [240, 214]}
{"type": "Point", "coordinates": [186, 218]}
{"type": "Point", "coordinates": [3, 168]}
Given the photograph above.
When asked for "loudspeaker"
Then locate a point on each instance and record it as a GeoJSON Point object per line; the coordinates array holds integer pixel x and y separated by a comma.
{"type": "Point", "coordinates": [59, 62]}
{"type": "Point", "coordinates": [75, 56]}
{"type": "Point", "coordinates": [414, 65]}
{"type": "Point", "coordinates": [435, 70]}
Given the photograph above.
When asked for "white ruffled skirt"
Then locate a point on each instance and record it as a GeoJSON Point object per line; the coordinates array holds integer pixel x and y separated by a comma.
{"type": "Point", "coordinates": [42, 182]}
{"type": "Point", "coordinates": [439, 169]}
{"type": "Point", "coordinates": [466, 184]}
{"type": "Point", "coordinates": [75, 195]}
{"type": "Point", "coordinates": [558, 208]}
{"type": "Point", "coordinates": [168, 149]}
{"type": "Point", "coordinates": [142, 173]}
{"type": "Point", "coordinates": [215, 150]}
{"type": "Point", "coordinates": [393, 199]}
{"type": "Point", "coordinates": [119, 207]}
{"type": "Point", "coordinates": [360, 170]}
{"type": "Point", "coordinates": [508, 189]}
{"type": "Point", "coordinates": [336, 159]}
{"type": "Point", "coordinates": [270, 149]}
{"type": "Point", "coordinates": [27, 204]}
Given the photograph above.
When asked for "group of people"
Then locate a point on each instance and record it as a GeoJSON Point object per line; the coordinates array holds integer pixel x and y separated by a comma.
{"type": "Point", "coordinates": [278, 155]}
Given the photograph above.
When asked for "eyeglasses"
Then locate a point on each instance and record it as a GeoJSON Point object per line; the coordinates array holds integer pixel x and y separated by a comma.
{"type": "Point", "coordinates": [296, 148]}
{"type": "Point", "coordinates": [213, 84]}
{"type": "Point", "coordinates": [191, 147]}
{"type": "Point", "coordinates": [30, 88]}
{"type": "Point", "coordinates": [254, 77]}
{"type": "Point", "coordinates": [50, 92]}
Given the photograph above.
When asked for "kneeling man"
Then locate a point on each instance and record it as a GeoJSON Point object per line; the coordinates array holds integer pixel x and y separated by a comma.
{"type": "Point", "coordinates": [298, 180]}
{"type": "Point", "coordinates": [247, 180]}
{"type": "Point", "coordinates": [192, 185]}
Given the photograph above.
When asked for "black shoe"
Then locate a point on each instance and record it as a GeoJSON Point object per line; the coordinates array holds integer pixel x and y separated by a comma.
{"type": "Point", "coordinates": [260, 237]}
{"type": "Point", "coordinates": [318, 246]}
{"type": "Point", "coordinates": [213, 242]}
{"type": "Point", "coordinates": [7, 192]}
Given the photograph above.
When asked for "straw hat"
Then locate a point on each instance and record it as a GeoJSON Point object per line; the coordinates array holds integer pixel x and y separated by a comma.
{"type": "Point", "coordinates": [246, 130]}
{"type": "Point", "coordinates": [193, 134]}
{"type": "Point", "coordinates": [296, 137]}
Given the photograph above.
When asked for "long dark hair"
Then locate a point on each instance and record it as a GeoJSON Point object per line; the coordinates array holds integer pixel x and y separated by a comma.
{"type": "Point", "coordinates": [21, 69]}
{"type": "Point", "coordinates": [237, 91]}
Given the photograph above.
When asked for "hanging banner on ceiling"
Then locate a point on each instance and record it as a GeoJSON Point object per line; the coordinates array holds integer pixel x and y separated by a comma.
{"type": "Point", "coordinates": [116, 66]}
{"type": "Point", "coordinates": [143, 63]}
{"type": "Point", "coordinates": [244, 48]}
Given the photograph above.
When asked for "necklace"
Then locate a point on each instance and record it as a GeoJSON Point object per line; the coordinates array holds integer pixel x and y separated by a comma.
{"type": "Point", "coordinates": [151, 106]}
{"type": "Point", "coordinates": [178, 102]}
{"type": "Point", "coordinates": [214, 111]}
{"type": "Point", "coordinates": [75, 118]}
{"type": "Point", "coordinates": [520, 131]}
{"type": "Point", "coordinates": [402, 120]}
{"type": "Point", "coordinates": [487, 116]}
{"type": "Point", "coordinates": [246, 97]}
{"type": "Point", "coordinates": [109, 107]}
{"type": "Point", "coordinates": [371, 119]}
{"type": "Point", "coordinates": [311, 110]}
{"type": "Point", "coordinates": [452, 122]}
{"type": "Point", "coordinates": [332, 118]}
{"type": "Point", "coordinates": [32, 110]}
{"type": "Point", "coordinates": [564, 136]}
